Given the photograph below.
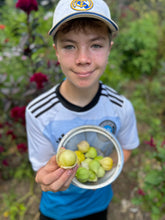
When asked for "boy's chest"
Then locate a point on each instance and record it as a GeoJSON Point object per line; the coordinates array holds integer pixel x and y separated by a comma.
{"type": "Point", "coordinates": [67, 120]}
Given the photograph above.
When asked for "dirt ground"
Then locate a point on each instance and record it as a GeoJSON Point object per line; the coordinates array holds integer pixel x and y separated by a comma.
{"type": "Point", "coordinates": [120, 208]}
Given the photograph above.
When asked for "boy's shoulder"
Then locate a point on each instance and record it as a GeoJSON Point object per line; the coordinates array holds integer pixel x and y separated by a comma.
{"type": "Point", "coordinates": [120, 103]}
{"type": "Point", "coordinates": [44, 95]}
{"type": "Point", "coordinates": [43, 101]}
{"type": "Point", "coordinates": [115, 97]}
{"type": "Point", "coordinates": [110, 90]}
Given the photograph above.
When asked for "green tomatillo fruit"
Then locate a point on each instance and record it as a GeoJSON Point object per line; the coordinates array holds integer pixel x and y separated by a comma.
{"type": "Point", "coordinates": [82, 174]}
{"type": "Point", "coordinates": [66, 159]}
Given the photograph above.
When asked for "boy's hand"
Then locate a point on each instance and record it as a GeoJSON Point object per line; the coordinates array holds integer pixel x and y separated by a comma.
{"type": "Point", "coordinates": [53, 178]}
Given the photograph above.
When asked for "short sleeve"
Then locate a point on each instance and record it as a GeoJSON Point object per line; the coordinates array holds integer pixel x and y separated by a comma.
{"type": "Point", "coordinates": [128, 134]}
{"type": "Point", "coordinates": [40, 149]}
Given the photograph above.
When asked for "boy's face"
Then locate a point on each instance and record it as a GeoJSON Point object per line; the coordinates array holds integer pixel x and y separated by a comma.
{"type": "Point", "coordinates": [83, 55]}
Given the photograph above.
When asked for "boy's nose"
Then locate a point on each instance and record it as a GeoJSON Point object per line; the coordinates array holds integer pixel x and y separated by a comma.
{"type": "Point", "coordinates": [83, 57]}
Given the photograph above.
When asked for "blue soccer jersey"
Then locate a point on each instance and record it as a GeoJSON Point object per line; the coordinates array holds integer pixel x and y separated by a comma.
{"type": "Point", "coordinates": [50, 116]}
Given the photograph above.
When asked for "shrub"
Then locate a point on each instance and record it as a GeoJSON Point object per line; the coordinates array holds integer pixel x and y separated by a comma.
{"type": "Point", "coordinates": [151, 178]}
{"type": "Point", "coordinates": [138, 46]}
{"type": "Point", "coordinates": [27, 69]}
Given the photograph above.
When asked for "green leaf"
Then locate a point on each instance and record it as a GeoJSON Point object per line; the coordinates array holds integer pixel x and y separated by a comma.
{"type": "Point", "coordinates": [154, 177]}
{"type": "Point", "coordinates": [155, 212]}
{"type": "Point", "coordinates": [136, 201]}
{"type": "Point", "coordinates": [161, 153]}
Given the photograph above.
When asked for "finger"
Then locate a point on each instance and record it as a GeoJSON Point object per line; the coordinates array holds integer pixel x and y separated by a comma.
{"type": "Point", "coordinates": [56, 185]}
{"type": "Point", "coordinates": [51, 164]}
{"type": "Point", "coordinates": [48, 168]}
{"type": "Point", "coordinates": [71, 175]}
{"type": "Point", "coordinates": [45, 178]}
{"type": "Point", "coordinates": [67, 176]}
{"type": "Point", "coordinates": [68, 182]}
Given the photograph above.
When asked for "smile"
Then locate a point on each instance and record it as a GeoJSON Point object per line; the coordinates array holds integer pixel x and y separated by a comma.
{"type": "Point", "coordinates": [84, 74]}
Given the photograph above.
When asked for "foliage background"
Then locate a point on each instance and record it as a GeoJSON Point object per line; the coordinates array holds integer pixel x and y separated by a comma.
{"type": "Point", "coordinates": [136, 69]}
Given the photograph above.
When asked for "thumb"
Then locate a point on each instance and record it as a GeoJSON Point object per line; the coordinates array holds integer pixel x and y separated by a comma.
{"type": "Point", "coordinates": [52, 163]}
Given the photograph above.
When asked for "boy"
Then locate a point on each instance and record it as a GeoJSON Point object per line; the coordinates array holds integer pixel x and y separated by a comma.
{"type": "Point", "coordinates": [82, 33]}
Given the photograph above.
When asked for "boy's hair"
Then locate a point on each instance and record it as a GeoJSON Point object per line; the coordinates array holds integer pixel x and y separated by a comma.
{"type": "Point", "coordinates": [81, 24]}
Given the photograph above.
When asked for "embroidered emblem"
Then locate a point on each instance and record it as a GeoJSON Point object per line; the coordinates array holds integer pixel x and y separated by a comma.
{"type": "Point", "coordinates": [109, 126]}
{"type": "Point", "coordinates": [81, 5]}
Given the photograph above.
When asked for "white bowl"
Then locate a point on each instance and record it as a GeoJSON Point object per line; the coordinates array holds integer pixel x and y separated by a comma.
{"type": "Point", "coordinates": [105, 143]}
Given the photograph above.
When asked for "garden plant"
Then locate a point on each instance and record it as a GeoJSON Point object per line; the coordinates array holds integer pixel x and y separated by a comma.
{"type": "Point", "coordinates": [136, 68]}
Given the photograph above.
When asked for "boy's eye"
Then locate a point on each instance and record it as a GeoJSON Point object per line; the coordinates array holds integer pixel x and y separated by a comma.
{"type": "Point", "coordinates": [97, 46]}
{"type": "Point", "coordinates": [68, 47]}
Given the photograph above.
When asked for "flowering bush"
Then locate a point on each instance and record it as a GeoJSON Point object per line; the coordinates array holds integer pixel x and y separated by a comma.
{"type": "Point", "coordinates": [27, 5]}
{"type": "Point", "coordinates": [22, 148]}
{"type": "Point", "coordinates": [18, 113]}
{"type": "Point", "coordinates": [151, 179]}
{"type": "Point", "coordinates": [11, 134]}
{"type": "Point", "coordinates": [39, 79]}
{"type": "Point", "coordinates": [19, 85]}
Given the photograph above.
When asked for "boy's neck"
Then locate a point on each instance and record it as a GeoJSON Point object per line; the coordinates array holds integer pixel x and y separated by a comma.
{"type": "Point", "coordinates": [77, 96]}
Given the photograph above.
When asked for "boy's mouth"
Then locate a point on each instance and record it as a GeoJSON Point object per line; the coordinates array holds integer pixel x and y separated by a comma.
{"type": "Point", "coordinates": [84, 74]}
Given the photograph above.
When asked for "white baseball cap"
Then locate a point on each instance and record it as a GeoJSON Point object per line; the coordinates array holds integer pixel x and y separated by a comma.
{"type": "Point", "coordinates": [67, 10]}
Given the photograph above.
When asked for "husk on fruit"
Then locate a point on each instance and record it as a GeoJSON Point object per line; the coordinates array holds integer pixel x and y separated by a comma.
{"type": "Point", "coordinates": [66, 158]}
{"type": "Point", "coordinates": [94, 166]}
{"type": "Point", "coordinates": [82, 174]}
{"type": "Point", "coordinates": [106, 163]}
{"type": "Point", "coordinates": [83, 146]}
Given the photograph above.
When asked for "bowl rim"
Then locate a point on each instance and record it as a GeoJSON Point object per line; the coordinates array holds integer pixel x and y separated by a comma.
{"type": "Point", "coordinates": [103, 131]}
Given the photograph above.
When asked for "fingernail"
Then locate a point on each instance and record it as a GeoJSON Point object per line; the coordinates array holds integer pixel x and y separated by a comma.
{"type": "Point", "coordinates": [61, 170]}
{"type": "Point", "coordinates": [75, 168]}
{"type": "Point", "coordinates": [69, 172]}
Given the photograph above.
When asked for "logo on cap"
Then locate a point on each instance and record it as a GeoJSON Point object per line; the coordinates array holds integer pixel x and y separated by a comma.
{"type": "Point", "coordinates": [81, 5]}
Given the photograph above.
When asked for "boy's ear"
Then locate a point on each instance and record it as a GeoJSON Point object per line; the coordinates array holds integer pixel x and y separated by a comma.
{"type": "Point", "coordinates": [111, 44]}
{"type": "Point", "coordinates": [55, 48]}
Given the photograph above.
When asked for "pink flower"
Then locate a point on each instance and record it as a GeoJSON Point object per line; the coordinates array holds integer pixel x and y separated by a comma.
{"type": "Point", "coordinates": [27, 5]}
{"type": "Point", "coordinates": [10, 132]}
{"type": "Point", "coordinates": [57, 63]}
{"type": "Point", "coordinates": [141, 192]}
{"type": "Point", "coordinates": [39, 79]}
{"type": "Point", "coordinates": [18, 113]}
{"type": "Point", "coordinates": [2, 27]}
{"type": "Point", "coordinates": [5, 163]}
{"type": "Point", "coordinates": [151, 142]}
{"type": "Point", "coordinates": [1, 149]}
{"type": "Point", "coordinates": [24, 57]}
{"type": "Point", "coordinates": [22, 148]}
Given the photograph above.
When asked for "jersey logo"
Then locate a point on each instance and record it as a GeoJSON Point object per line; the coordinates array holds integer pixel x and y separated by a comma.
{"type": "Point", "coordinates": [109, 126]}
{"type": "Point", "coordinates": [81, 5]}
{"type": "Point", "coordinates": [59, 139]}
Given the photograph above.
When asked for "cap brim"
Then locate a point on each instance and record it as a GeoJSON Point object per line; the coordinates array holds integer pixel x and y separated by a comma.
{"type": "Point", "coordinates": [110, 23]}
